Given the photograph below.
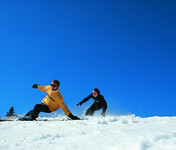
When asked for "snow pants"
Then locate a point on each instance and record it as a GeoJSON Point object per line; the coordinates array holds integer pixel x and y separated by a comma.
{"type": "Point", "coordinates": [94, 107]}
{"type": "Point", "coordinates": [37, 109]}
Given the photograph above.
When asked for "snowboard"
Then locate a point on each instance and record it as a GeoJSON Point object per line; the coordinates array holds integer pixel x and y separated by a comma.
{"type": "Point", "coordinates": [64, 119]}
{"type": "Point", "coordinates": [2, 120]}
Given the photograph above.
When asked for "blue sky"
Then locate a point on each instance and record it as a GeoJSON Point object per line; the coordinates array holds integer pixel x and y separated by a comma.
{"type": "Point", "coordinates": [126, 48]}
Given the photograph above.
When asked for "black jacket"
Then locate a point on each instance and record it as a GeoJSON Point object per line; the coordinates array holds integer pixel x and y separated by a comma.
{"type": "Point", "coordinates": [99, 100]}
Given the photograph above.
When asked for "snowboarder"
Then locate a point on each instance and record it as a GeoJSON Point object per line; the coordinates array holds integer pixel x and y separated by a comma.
{"type": "Point", "coordinates": [99, 103]}
{"type": "Point", "coordinates": [52, 102]}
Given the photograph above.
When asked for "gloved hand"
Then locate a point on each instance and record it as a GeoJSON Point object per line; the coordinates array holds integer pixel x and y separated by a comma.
{"type": "Point", "coordinates": [79, 104]}
{"type": "Point", "coordinates": [73, 117]}
{"type": "Point", "coordinates": [103, 114]}
{"type": "Point", "coordinates": [35, 86]}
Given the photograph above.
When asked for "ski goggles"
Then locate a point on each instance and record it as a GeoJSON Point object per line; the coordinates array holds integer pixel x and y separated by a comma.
{"type": "Point", "coordinates": [54, 85]}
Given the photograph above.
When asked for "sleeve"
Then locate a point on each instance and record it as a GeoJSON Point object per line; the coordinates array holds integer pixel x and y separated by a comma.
{"type": "Point", "coordinates": [43, 88]}
{"type": "Point", "coordinates": [104, 105]}
{"type": "Point", "coordinates": [86, 99]}
{"type": "Point", "coordinates": [104, 108]}
{"type": "Point", "coordinates": [64, 107]}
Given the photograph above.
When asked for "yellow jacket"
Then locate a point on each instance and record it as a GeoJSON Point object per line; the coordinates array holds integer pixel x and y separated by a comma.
{"type": "Point", "coordinates": [53, 99]}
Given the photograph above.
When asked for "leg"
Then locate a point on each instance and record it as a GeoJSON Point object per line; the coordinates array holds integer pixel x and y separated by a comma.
{"type": "Point", "coordinates": [90, 111]}
{"type": "Point", "coordinates": [94, 107]}
{"type": "Point", "coordinates": [29, 113]}
{"type": "Point", "coordinates": [39, 108]}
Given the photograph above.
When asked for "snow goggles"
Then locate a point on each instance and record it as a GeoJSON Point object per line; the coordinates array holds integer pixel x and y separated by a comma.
{"type": "Point", "coordinates": [54, 85]}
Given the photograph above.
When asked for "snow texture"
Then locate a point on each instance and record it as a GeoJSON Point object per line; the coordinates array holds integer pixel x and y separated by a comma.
{"type": "Point", "coordinates": [94, 133]}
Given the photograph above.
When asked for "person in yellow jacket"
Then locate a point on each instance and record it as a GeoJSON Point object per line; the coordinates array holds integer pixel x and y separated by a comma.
{"type": "Point", "coordinates": [52, 102]}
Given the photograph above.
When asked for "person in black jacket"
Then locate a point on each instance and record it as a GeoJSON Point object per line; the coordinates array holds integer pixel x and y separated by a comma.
{"type": "Point", "coordinates": [99, 103]}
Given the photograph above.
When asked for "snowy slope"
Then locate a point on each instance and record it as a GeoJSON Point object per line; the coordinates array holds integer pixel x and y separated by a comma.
{"type": "Point", "coordinates": [96, 133]}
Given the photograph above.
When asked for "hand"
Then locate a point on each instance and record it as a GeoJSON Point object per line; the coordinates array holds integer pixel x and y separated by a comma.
{"type": "Point", "coordinates": [79, 104]}
{"type": "Point", "coordinates": [73, 117]}
{"type": "Point", "coordinates": [35, 86]}
{"type": "Point", "coordinates": [76, 118]}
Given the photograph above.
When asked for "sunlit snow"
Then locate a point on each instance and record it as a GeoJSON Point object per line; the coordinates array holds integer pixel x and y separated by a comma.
{"type": "Point", "coordinates": [93, 133]}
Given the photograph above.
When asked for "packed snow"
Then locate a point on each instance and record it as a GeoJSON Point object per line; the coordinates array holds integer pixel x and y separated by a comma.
{"type": "Point", "coordinates": [93, 133]}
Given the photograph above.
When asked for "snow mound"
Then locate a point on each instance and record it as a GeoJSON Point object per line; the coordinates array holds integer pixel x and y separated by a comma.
{"type": "Point", "coordinates": [92, 133]}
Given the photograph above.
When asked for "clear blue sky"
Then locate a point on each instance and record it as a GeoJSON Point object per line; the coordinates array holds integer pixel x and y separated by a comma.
{"type": "Point", "coordinates": [125, 48]}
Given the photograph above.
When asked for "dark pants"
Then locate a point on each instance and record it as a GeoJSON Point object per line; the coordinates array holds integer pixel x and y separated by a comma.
{"type": "Point", "coordinates": [37, 109]}
{"type": "Point", "coordinates": [94, 107]}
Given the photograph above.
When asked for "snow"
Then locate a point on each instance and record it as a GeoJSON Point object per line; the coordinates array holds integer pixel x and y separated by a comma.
{"type": "Point", "coordinates": [94, 133]}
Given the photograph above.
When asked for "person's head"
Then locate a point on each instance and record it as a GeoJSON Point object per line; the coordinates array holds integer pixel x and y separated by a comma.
{"type": "Point", "coordinates": [96, 92]}
{"type": "Point", "coordinates": [55, 85]}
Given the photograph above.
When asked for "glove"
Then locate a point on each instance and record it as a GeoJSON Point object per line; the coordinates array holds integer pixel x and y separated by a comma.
{"type": "Point", "coordinates": [73, 117]}
{"type": "Point", "coordinates": [79, 104]}
{"type": "Point", "coordinates": [35, 86]}
{"type": "Point", "coordinates": [103, 114]}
